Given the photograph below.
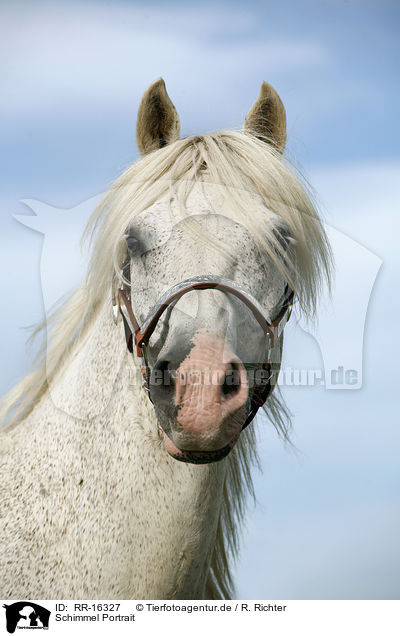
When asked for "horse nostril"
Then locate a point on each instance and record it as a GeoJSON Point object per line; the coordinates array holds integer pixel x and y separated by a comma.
{"type": "Point", "coordinates": [231, 382]}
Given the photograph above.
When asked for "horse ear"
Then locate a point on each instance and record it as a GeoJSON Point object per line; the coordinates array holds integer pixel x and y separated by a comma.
{"type": "Point", "coordinates": [266, 119]}
{"type": "Point", "coordinates": [157, 122]}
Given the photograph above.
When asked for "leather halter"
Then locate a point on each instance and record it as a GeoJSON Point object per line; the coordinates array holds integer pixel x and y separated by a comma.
{"type": "Point", "coordinates": [139, 337]}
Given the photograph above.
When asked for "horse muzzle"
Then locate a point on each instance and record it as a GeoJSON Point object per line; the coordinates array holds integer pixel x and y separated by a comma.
{"type": "Point", "coordinates": [209, 392]}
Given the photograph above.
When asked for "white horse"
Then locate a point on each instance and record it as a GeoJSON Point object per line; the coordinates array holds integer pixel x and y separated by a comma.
{"type": "Point", "coordinates": [197, 250]}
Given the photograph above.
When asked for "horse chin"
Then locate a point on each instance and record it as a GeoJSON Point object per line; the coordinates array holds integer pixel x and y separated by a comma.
{"type": "Point", "coordinates": [197, 456]}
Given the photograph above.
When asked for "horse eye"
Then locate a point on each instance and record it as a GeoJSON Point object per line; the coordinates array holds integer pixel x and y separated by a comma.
{"type": "Point", "coordinates": [133, 245]}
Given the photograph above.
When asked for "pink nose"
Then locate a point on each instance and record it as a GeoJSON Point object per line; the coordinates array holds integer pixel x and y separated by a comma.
{"type": "Point", "coordinates": [211, 392]}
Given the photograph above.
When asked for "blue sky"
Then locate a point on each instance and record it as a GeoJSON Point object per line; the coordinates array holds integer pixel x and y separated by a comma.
{"type": "Point", "coordinates": [72, 76]}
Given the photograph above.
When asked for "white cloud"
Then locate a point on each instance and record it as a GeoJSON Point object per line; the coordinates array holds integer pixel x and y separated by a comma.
{"type": "Point", "coordinates": [87, 58]}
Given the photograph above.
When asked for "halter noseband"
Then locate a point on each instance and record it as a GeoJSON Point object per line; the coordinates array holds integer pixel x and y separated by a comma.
{"type": "Point", "coordinates": [139, 337]}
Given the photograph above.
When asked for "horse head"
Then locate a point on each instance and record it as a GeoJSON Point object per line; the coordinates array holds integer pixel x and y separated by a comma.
{"type": "Point", "coordinates": [212, 249]}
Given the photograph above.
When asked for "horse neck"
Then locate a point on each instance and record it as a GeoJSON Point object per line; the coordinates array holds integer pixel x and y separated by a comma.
{"type": "Point", "coordinates": [161, 512]}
